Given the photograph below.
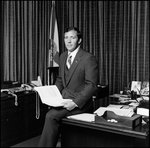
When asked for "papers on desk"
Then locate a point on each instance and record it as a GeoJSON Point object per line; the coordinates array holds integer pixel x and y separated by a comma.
{"type": "Point", "coordinates": [121, 110]}
{"type": "Point", "coordinates": [114, 106]}
{"type": "Point", "coordinates": [83, 117]}
{"type": "Point", "coordinates": [143, 111]}
{"type": "Point", "coordinates": [134, 104]}
{"type": "Point", "coordinates": [120, 96]}
{"type": "Point", "coordinates": [50, 95]}
{"type": "Point", "coordinates": [146, 98]}
{"type": "Point", "coordinates": [123, 98]}
{"type": "Point", "coordinates": [118, 111]}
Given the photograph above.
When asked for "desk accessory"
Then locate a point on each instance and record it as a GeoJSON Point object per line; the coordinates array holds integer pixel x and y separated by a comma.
{"type": "Point", "coordinates": [111, 119]}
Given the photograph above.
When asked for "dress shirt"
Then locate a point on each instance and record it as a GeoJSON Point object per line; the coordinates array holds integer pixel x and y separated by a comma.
{"type": "Point", "coordinates": [73, 54]}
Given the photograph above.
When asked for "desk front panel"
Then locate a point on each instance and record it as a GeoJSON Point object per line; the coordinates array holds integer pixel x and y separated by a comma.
{"type": "Point", "coordinates": [19, 123]}
{"type": "Point", "coordinates": [83, 134]}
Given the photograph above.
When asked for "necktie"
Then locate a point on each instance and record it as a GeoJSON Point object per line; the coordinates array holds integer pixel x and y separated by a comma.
{"type": "Point", "coordinates": [69, 61]}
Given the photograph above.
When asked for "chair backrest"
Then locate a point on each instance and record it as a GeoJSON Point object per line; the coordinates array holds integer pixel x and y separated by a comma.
{"type": "Point", "coordinates": [53, 73]}
{"type": "Point", "coordinates": [101, 92]}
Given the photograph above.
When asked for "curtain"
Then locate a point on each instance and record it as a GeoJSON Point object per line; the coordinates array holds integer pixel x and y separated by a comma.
{"type": "Point", "coordinates": [26, 40]}
{"type": "Point", "coordinates": [116, 32]}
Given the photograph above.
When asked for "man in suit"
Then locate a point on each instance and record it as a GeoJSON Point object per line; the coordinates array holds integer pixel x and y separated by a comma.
{"type": "Point", "coordinates": [77, 80]}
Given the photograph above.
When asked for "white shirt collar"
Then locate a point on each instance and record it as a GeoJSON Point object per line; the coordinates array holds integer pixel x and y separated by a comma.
{"type": "Point", "coordinates": [73, 54]}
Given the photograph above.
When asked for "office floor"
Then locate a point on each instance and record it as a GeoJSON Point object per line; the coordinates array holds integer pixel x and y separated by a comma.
{"type": "Point", "coordinates": [33, 142]}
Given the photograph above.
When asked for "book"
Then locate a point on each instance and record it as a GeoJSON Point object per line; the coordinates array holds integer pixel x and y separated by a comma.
{"type": "Point", "coordinates": [50, 95]}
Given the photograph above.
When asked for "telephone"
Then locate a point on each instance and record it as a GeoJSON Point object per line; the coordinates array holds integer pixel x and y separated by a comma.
{"type": "Point", "coordinates": [13, 90]}
{"type": "Point", "coordinates": [23, 87]}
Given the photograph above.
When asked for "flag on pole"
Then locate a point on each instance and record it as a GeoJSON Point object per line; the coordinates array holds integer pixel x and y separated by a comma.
{"type": "Point", "coordinates": [54, 40]}
{"type": "Point", "coordinates": [53, 57]}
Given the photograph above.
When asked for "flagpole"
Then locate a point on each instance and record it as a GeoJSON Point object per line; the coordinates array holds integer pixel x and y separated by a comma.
{"type": "Point", "coordinates": [53, 44]}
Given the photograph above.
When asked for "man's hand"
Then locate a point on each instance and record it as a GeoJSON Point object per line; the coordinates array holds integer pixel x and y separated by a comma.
{"type": "Point", "coordinates": [69, 105]}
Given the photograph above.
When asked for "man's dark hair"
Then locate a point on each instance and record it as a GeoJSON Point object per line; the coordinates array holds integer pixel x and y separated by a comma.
{"type": "Point", "coordinates": [75, 29]}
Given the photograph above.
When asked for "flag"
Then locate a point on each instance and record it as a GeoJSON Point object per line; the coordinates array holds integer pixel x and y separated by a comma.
{"type": "Point", "coordinates": [53, 40]}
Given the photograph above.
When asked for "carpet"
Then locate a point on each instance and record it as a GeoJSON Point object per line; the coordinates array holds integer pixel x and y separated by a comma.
{"type": "Point", "coordinates": [33, 142]}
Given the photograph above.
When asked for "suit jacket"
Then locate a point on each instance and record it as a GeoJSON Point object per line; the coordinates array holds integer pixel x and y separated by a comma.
{"type": "Point", "coordinates": [83, 77]}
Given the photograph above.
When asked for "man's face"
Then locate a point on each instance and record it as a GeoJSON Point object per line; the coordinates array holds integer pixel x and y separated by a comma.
{"type": "Point", "coordinates": [71, 40]}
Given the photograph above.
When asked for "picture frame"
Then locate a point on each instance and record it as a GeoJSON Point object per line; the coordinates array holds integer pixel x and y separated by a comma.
{"type": "Point", "coordinates": [145, 88]}
{"type": "Point", "coordinates": [136, 86]}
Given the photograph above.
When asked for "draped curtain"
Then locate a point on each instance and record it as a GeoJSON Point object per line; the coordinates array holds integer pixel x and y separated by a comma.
{"type": "Point", "coordinates": [116, 32]}
{"type": "Point", "coordinates": [25, 40]}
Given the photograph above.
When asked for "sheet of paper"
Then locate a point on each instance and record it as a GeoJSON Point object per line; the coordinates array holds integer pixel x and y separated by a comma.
{"type": "Point", "coordinates": [143, 111]}
{"type": "Point", "coordinates": [119, 95]}
{"type": "Point", "coordinates": [134, 104]}
{"type": "Point", "coordinates": [114, 105]}
{"type": "Point", "coordinates": [50, 95]}
{"type": "Point", "coordinates": [146, 98]}
{"type": "Point", "coordinates": [83, 117]}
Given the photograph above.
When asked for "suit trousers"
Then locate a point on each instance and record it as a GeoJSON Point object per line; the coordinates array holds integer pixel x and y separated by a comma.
{"type": "Point", "coordinates": [51, 129]}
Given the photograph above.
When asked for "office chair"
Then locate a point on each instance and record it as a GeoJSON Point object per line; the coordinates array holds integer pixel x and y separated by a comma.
{"type": "Point", "coordinates": [100, 94]}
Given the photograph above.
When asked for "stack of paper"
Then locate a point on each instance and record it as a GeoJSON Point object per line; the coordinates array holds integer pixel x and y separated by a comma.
{"type": "Point", "coordinates": [143, 111]}
{"type": "Point", "coordinates": [83, 117]}
{"type": "Point", "coordinates": [115, 106]}
{"type": "Point", "coordinates": [121, 112]}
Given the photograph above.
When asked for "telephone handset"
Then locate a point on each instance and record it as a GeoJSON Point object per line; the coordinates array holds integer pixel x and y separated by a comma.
{"type": "Point", "coordinates": [28, 86]}
{"type": "Point", "coordinates": [31, 85]}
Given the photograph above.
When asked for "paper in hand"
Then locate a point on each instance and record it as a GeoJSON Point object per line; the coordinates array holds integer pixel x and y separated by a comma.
{"type": "Point", "coordinates": [50, 95]}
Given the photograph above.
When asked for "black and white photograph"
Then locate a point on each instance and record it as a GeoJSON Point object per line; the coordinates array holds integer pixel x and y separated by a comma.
{"type": "Point", "coordinates": [74, 73]}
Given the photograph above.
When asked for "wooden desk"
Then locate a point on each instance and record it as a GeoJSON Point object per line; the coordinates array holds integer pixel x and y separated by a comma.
{"type": "Point", "coordinates": [76, 133]}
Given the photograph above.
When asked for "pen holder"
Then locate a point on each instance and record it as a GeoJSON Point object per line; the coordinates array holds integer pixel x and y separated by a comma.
{"type": "Point", "coordinates": [133, 95]}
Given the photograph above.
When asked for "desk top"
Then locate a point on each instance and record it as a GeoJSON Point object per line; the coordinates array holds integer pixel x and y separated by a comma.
{"type": "Point", "coordinates": [141, 131]}
{"type": "Point", "coordinates": [5, 96]}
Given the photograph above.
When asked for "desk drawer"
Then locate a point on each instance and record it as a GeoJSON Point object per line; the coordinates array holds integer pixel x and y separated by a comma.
{"type": "Point", "coordinates": [34, 123]}
{"type": "Point", "coordinates": [32, 98]}
{"type": "Point", "coordinates": [13, 127]}
{"type": "Point", "coordinates": [16, 111]}
{"type": "Point", "coordinates": [10, 103]}
{"type": "Point", "coordinates": [32, 107]}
